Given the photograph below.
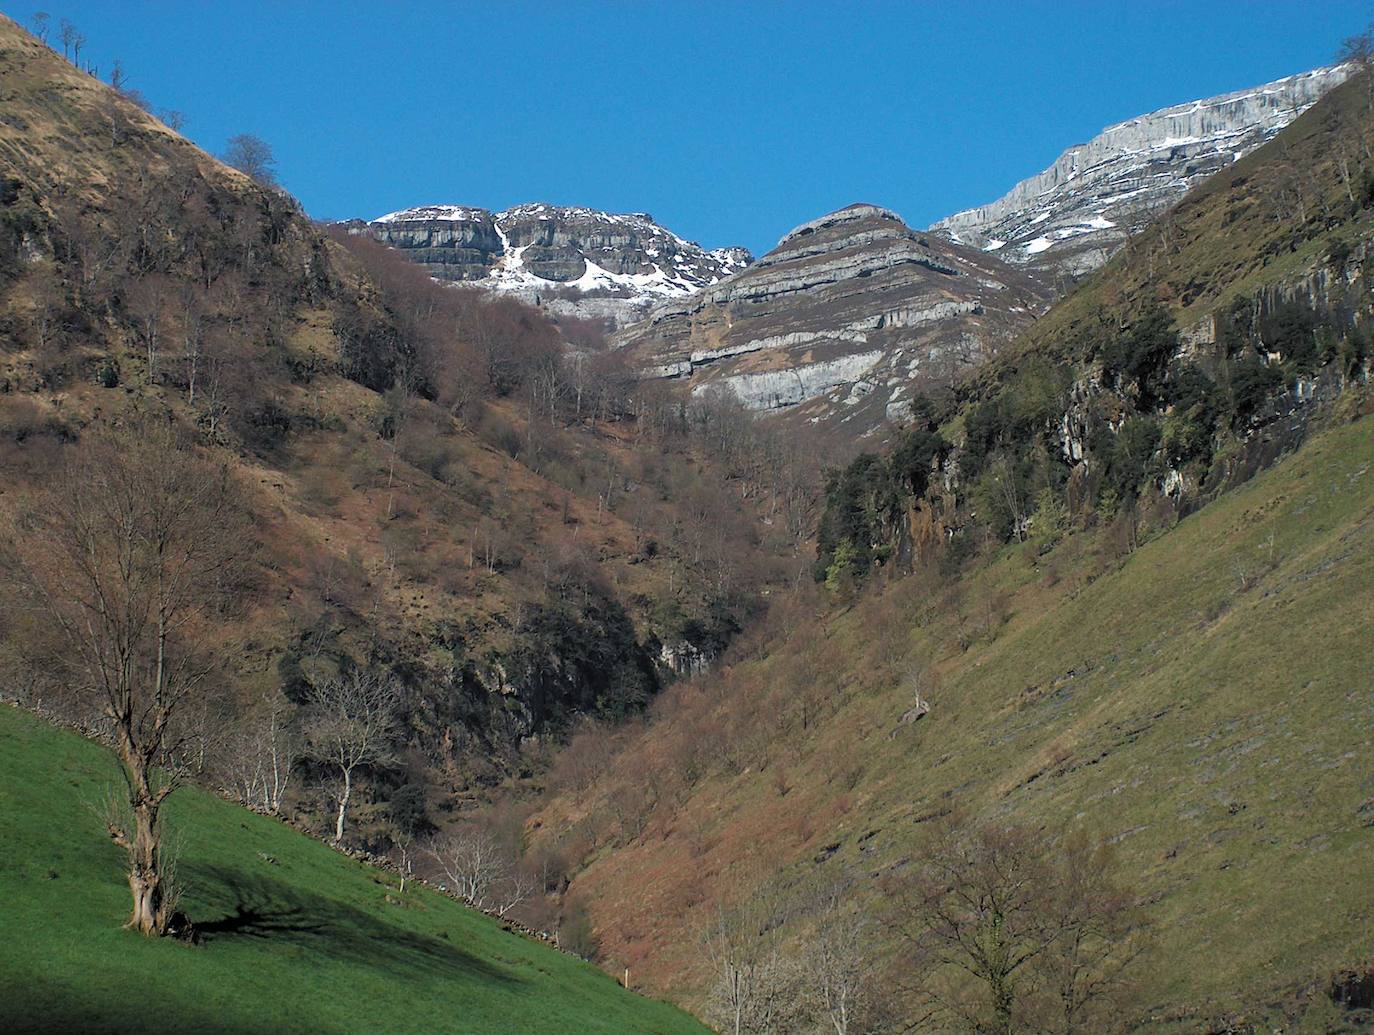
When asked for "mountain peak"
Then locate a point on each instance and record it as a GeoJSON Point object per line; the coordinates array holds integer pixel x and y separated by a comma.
{"type": "Point", "coordinates": [856, 213]}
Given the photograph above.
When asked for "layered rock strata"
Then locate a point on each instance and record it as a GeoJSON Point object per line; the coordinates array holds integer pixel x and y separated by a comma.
{"type": "Point", "coordinates": [570, 260]}
{"type": "Point", "coordinates": [842, 323]}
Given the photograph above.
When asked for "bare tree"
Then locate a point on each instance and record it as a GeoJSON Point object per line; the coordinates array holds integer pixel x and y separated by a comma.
{"type": "Point", "coordinates": [756, 987]}
{"type": "Point", "coordinates": [172, 118]}
{"type": "Point", "coordinates": [129, 556]}
{"type": "Point", "coordinates": [147, 300]}
{"type": "Point", "coordinates": [1358, 50]}
{"type": "Point", "coordinates": [68, 35]}
{"type": "Point", "coordinates": [520, 884]}
{"type": "Point", "coordinates": [119, 80]}
{"type": "Point", "coordinates": [1003, 929]}
{"type": "Point", "coordinates": [78, 41]}
{"type": "Point", "coordinates": [352, 725]}
{"type": "Point", "coordinates": [1100, 935]}
{"type": "Point", "coordinates": [473, 862]}
{"type": "Point", "coordinates": [253, 157]}
{"type": "Point", "coordinates": [40, 21]}
{"type": "Point", "coordinates": [840, 966]}
{"type": "Point", "coordinates": [403, 856]}
{"type": "Point", "coordinates": [973, 909]}
{"type": "Point", "coordinates": [262, 755]}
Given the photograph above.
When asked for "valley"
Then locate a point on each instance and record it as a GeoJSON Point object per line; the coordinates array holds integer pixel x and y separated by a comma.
{"type": "Point", "coordinates": [527, 619]}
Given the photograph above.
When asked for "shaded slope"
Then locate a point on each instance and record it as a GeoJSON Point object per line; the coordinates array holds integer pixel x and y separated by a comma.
{"type": "Point", "coordinates": [415, 501]}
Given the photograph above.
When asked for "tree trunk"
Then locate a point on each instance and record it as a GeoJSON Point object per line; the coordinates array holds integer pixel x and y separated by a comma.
{"type": "Point", "coordinates": [145, 881]}
{"type": "Point", "coordinates": [343, 805]}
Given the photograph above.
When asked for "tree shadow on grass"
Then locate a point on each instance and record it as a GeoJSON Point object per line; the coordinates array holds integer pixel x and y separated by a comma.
{"type": "Point", "coordinates": [270, 910]}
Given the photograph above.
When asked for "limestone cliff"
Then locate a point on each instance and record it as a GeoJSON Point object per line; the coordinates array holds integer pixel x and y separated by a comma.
{"type": "Point", "coordinates": [1072, 217]}
{"type": "Point", "coordinates": [569, 260]}
{"type": "Point", "coordinates": [841, 323]}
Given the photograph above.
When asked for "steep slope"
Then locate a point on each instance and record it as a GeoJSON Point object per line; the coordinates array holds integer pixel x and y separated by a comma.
{"type": "Point", "coordinates": [436, 493]}
{"type": "Point", "coordinates": [1288, 223]}
{"type": "Point", "coordinates": [1071, 218]}
{"type": "Point", "coordinates": [836, 327]}
{"type": "Point", "coordinates": [569, 260]}
{"type": "Point", "coordinates": [293, 936]}
{"type": "Point", "coordinates": [1114, 624]}
{"type": "Point", "coordinates": [1204, 704]}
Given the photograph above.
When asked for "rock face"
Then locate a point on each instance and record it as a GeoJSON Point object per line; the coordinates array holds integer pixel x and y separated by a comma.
{"type": "Point", "coordinates": [1071, 218]}
{"type": "Point", "coordinates": [570, 260]}
{"type": "Point", "coordinates": [840, 324]}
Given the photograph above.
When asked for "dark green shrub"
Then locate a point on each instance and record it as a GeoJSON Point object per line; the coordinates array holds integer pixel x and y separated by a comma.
{"type": "Point", "coordinates": [107, 374]}
{"type": "Point", "coordinates": [1141, 355]}
{"type": "Point", "coordinates": [1253, 381]}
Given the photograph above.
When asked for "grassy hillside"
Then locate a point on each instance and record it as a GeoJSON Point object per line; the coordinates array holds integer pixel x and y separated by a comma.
{"type": "Point", "coordinates": [295, 936]}
{"type": "Point", "coordinates": [1205, 702]}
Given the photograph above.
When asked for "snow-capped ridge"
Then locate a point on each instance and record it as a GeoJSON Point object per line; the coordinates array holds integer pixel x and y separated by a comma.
{"type": "Point", "coordinates": [1072, 216]}
{"type": "Point", "coordinates": [570, 258]}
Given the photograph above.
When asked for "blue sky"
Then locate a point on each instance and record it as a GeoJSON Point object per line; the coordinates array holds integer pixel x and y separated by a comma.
{"type": "Point", "coordinates": [730, 123]}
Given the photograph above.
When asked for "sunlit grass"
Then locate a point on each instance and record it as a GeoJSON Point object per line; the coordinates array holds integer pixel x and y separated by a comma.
{"type": "Point", "coordinates": [295, 937]}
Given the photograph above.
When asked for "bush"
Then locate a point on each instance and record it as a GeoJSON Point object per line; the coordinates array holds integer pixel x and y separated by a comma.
{"type": "Point", "coordinates": [409, 811]}
{"type": "Point", "coordinates": [576, 933]}
{"type": "Point", "coordinates": [1253, 381]}
{"type": "Point", "coordinates": [107, 374]}
{"type": "Point", "coordinates": [264, 425]}
{"type": "Point", "coordinates": [1292, 332]}
{"type": "Point", "coordinates": [1142, 354]}
{"type": "Point", "coordinates": [1125, 456]}
{"type": "Point", "coordinates": [577, 652]}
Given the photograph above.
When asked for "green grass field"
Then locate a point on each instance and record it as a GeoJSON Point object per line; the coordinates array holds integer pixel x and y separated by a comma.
{"type": "Point", "coordinates": [307, 944]}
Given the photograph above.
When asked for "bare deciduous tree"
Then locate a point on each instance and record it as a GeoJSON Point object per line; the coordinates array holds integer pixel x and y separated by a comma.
{"type": "Point", "coordinates": [252, 156]}
{"type": "Point", "coordinates": [1005, 930]}
{"type": "Point", "coordinates": [352, 725]}
{"type": "Point", "coordinates": [482, 872]}
{"type": "Point", "coordinates": [262, 755]}
{"type": "Point", "coordinates": [172, 118]}
{"type": "Point", "coordinates": [840, 966]}
{"type": "Point", "coordinates": [128, 557]}
{"type": "Point", "coordinates": [974, 908]}
{"type": "Point", "coordinates": [1085, 973]}
{"type": "Point", "coordinates": [756, 987]}
{"type": "Point", "coordinates": [519, 885]}
{"type": "Point", "coordinates": [71, 40]}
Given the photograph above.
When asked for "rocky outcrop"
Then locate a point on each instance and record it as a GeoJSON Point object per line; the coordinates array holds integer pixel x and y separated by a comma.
{"type": "Point", "coordinates": [570, 260]}
{"type": "Point", "coordinates": [1071, 218]}
{"type": "Point", "coordinates": [838, 326]}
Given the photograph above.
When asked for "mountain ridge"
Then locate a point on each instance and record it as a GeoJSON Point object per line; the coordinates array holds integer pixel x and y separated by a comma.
{"type": "Point", "coordinates": [834, 328]}
{"type": "Point", "coordinates": [572, 260]}
{"type": "Point", "coordinates": [1072, 216]}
